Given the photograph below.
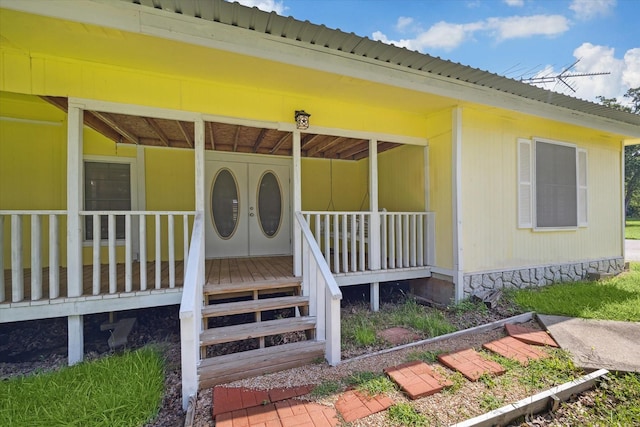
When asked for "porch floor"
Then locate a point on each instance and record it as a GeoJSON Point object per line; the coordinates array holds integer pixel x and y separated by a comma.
{"type": "Point", "coordinates": [242, 270]}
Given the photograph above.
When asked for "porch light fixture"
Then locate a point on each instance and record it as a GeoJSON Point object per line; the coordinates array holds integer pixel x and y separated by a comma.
{"type": "Point", "coordinates": [302, 119]}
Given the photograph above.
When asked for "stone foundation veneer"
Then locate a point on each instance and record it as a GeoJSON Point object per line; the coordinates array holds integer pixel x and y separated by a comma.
{"type": "Point", "coordinates": [539, 276]}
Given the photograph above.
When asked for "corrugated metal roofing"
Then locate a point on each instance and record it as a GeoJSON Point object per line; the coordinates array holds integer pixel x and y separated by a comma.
{"type": "Point", "coordinates": [306, 32]}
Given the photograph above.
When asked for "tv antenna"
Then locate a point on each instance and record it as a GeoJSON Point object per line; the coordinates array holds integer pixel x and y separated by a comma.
{"type": "Point", "coordinates": [562, 76]}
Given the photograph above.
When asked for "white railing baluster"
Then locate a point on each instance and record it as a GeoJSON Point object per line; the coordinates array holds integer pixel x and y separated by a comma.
{"type": "Point", "coordinates": [96, 254]}
{"type": "Point", "coordinates": [361, 238]}
{"type": "Point", "coordinates": [2, 294]}
{"type": "Point", "coordinates": [317, 233]}
{"type": "Point", "coordinates": [54, 258]}
{"type": "Point", "coordinates": [172, 251]}
{"type": "Point", "coordinates": [336, 244]}
{"type": "Point", "coordinates": [420, 240]}
{"type": "Point", "coordinates": [158, 261]}
{"type": "Point", "coordinates": [36, 258]}
{"type": "Point", "coordinates": [113, 266]}
{"type": "Point", "coordinates": [345, 251]}
{"type": "Point", "coordinates": [17, 273]}
{"type": "Point", "coordinates": [399, 245]}
{"type": "Point", "coordinates": [392, 241]}
{"type": "Point", "coordinates": [405, 240]}
{"type": "Point", "coordinates": [142, 226]}
{"type": "Point", "coordinates": [383, 242]}
{"type": "Point", "coordinates": [327, 248]}
{"type": "Point", "coordinates": [412, 234]}
{"type": "Point", "coordinates": [128, 255]}
{"type": "Point", "coordinates": [185, 245]}
{"type": "Point", "coordinates": [354, 251]}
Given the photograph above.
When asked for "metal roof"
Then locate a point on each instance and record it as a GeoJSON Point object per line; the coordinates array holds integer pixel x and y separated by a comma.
{"type": "Point", "coordinates": [305, 32]}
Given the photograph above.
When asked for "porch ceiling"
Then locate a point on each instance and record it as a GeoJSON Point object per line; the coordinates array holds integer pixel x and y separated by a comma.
{"type": "Point", "coordinates": [127, 129]}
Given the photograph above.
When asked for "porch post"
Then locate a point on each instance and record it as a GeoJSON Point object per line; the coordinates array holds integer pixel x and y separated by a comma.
{"type": "Point", "coordinates": [456, 144]}
{"type": "Point", "coordinates": [297, 205]}
{"type": "Point", "coordinates": [374, 226]}
{"type": "Point", "coordinates": [200, 200]}
{"type": "Point", "coordinates": [74, 200]}
{"type": "Point", "coordinates": [76, 339]}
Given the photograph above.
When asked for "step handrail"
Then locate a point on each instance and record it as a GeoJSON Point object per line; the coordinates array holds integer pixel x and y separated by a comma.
{"type": "Point", "coordinates": [323, 290]}
{"type": "Point", "coordinates": [190, 311]}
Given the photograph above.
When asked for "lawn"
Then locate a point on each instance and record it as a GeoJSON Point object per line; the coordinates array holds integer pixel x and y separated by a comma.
{"type": "Point", "coordinates": [121, 390]}
{"type": "Point", "coordinates": [617, 298]}
{"type": "Point", "coordinates": [632, 229]}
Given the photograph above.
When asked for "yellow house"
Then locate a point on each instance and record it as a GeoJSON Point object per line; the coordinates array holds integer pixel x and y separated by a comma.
{"type": "Point", "coordinates": [194, 151]}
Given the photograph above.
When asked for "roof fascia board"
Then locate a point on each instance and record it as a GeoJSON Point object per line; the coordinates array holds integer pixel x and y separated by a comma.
{"type": "Point", "coordinates": [148, 21]}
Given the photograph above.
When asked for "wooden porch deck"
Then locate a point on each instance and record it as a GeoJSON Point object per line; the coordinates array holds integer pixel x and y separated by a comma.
{"type": "Point", "coordinates": [243, 270]}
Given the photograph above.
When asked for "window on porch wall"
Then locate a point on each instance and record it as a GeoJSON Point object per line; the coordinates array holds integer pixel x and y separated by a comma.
{"type": "Point", "coordinates": [107, 187]}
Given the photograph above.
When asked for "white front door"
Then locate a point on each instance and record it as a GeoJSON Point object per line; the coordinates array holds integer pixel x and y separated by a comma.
{"type": "Point", "coordinates": [248, 211]}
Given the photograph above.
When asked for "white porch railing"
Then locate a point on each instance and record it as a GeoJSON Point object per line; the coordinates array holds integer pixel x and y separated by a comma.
{"type": "Point", "coordinates": [190, 312]}
{"type": "Point", "coordinates": [35, 220]}
{"type": "Point", "coordinates": [324, 294]}
{"type": "Point", "coordinates": [404, 239]}
{"type": "Point", "coordinates": [164, 236]}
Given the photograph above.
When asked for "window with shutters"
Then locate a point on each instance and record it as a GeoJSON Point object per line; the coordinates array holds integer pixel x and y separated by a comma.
{"type": "Point", "coordinates": [552, 185]}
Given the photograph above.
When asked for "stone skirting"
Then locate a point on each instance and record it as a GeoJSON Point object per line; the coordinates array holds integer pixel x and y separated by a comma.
{"type": "Point", "coordinates": [539, 276]}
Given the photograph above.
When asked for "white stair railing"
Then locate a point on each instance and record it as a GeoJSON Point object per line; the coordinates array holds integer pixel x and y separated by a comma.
{"type": "Point", "coordinates": [323, 291]}
{"type": "Point", "coordinates": [191, 312]}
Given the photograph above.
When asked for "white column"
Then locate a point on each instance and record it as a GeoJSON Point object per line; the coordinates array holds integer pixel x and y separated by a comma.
{"type": "Point", "coordinates": [374, 226]}
{"type": "Point", "coordinates": [297, 204]}
{"type": "Point", "coordinates": [199, 134]}
{"type": "Point", "coordinates": [456, 171]}
{"type": "Point", "coordinates": [375, 296]}
{"type": "Point", "coordinates": [74, 200]}
{"type": "Point", "coordinates": [76, 339]}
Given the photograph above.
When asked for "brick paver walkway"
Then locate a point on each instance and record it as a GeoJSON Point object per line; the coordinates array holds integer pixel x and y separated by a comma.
{"type": "Point", "coordinates": [287, 413]}
{"type": "Point", "coordinates": [530, 336]}
{"type": "Point", "coordinates": [227, 399]}
{"type": "Point", "coordinates": [471, 364]}
{"type": "Point", "coordinates": [354, 405]}
{"type": "Point", "coordinates": [512, 348]}
{"type": "Point", "coordinates": [418, 379]}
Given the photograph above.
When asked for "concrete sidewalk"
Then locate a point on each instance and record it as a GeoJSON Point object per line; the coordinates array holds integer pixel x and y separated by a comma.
{"type": "Point", "coordinates": [632, 250]}
{"type": "Point", "coordinates": [596, 344]}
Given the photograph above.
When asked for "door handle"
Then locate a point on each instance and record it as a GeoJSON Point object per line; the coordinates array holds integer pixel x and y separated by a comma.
{"type": "Point", "coordinates": [251, 214]}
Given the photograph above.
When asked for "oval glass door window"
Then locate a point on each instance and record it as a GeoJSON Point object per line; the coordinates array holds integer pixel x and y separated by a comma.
{"type": "Point", "coordinates": [269, 204]}
{"type": "Point", "coordinates": [225, 205]}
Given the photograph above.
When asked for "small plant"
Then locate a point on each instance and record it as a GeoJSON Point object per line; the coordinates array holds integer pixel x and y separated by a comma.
{"type": "Point", "coordinates": [364, 335]}
{"type": "Point", "coordinates": [426, 356]}
{"type": "Point", "coordinates": [467, 305]}
{"type": "Point", "coordinates": [489, 402]}
{"type": "Point", "coordinates": [458, 381]}
{"type": "Point", "coordinates": [326, 388]}
{"type": "Point", "coordinates": [488, 380]}
{"type": "Point", "coordinates": [370, 383]}
{"type": "Point", "coordinates": [405, 415]}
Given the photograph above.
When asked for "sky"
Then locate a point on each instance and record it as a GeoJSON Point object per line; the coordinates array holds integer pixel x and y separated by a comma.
{"type": "Point", "coordinates": [519, 39]}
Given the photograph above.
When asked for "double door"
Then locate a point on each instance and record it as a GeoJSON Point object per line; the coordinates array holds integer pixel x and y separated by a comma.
{"type": "Point", "coordinates": [248, 211]}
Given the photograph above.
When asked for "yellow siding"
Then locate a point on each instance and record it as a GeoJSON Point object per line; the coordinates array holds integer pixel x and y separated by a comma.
{"type": "Point", "coordinates": [440, 181]}
{"type": "Point", "coordinates": [336, 185]}
{"type": "Point", "coordinates": [491, 237]}
{"type": "Point", "coordinates": [401, 179]}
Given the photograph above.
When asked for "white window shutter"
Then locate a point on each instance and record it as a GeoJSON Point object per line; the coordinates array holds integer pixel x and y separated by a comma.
{"type": "Point", "coordinates": [583, 206]}
{"type": "Point", "coordinates": [525, 184]}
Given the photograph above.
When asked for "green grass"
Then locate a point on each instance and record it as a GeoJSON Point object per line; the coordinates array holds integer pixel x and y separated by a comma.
{"type": "Point", "coordinates": [370, 383]}
{"type": "Point", "coordinates": [404, 414]}
{"type": "Point", "coordinates": [632, 229]}
{"type": "Point", "coordinates": [326, 388]}
{"type": "Point", "coordinates": [617, 298]}
{"type": "Point", "coordinates": [423, 356]}
{"type": "Point", "coordinates": [122, 390]}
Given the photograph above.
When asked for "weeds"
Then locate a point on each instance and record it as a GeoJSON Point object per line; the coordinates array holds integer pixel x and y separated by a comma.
{"type": "Point", "coordinates": [424, 356]}
{"type": "Point", "coordinates": [405, 415]}
{"type": "Point", "coordinates": [326, 388]}
{"type": "Point", "coordinates": [489, 402]}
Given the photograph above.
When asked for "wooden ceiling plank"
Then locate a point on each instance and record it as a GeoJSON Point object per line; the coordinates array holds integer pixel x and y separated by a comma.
{"type": "Point", "coordinates": [279, 143]}
{"type": "Point", "coordinates": [358, 148]}
{"type": "Point", "coordinates": [156, 129]}
{"type": "Point", "coordinates": [259, 140]}
{"type": "Point", "coordinates": [325, 146]}
{"type": "Point", "coordinates": [347, 143]}
{"type": "Point", "coordinates": [211, 136]}
{"type": "Point", "coordinates": [308, 139]}
{"type": "Point", "coordinates": [183, 129]}
{"type": "Point", "coordinates": [236, 137]}
{"type": "Point", "coordinates": [109, 121]}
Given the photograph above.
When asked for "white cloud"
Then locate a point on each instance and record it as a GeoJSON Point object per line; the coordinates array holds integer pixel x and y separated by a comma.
{"type": "Point", "coordinates": [404, 23]}
{"type": "Point", "coordinates": [514, 3]}
{"type": "Point", "coordinates": [448, 36]}
{"type": "Point", "coordinates": [527, 26]}
{"type": "Point", "coordinates": [266, 5]}
{"type": "Point", "coordinates": [624, 73]}
{"type": "Point", "coordinates": [588, 9]}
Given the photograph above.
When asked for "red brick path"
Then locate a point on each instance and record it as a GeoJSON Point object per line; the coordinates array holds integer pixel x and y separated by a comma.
{"type": "Point", "coordinates": [470, 364]}
{"type": "Point", "coordinates": [354, 405]}
{"type": "Point", "coordinates": [512, 348]}
{"type": "Point", "coordinates": [530, 336]}
{"type": "Point", "coordinates": [418, 379]}
{"type": "Point", "coordinates": [287, 413]}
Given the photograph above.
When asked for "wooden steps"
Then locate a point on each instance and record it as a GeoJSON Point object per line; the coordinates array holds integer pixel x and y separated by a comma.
{"type": "Point", "coordinates": [252, 306]}
{"type": "Point", "coordinates": [247, 331]}
{"type": "Point", "coordinates": [244, 315]}
{"type": "Point", "coordinates": [246, 364]}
